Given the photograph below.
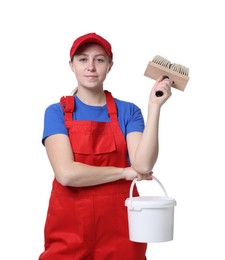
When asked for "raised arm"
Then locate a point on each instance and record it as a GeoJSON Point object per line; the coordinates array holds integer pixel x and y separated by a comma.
{"type": "Point", "coordinates": [143, 147]}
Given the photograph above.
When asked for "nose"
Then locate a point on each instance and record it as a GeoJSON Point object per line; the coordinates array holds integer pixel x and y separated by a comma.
{"type": "Point", "coordinates": [91, 65]}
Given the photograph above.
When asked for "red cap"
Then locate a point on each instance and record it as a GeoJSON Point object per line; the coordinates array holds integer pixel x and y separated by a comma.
{"type": "Point", "coordinates": [91, 37]}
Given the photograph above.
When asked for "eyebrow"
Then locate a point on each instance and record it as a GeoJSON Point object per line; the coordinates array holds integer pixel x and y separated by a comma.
{"type": "Point", "coordinates": [85, 54]}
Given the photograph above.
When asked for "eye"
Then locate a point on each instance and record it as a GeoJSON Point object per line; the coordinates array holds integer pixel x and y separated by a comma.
{"type": "Point", "coordinates": [100, 60]}
{"type": "Point", "coordinates": [82, 59]}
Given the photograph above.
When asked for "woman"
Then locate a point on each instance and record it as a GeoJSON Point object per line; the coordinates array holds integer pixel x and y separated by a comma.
{"type": "Point", "coordinates": [96, 146]}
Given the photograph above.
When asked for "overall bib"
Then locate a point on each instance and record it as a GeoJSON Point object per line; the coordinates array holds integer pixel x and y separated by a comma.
{"type": "Point", "coordinates": [90, 223]}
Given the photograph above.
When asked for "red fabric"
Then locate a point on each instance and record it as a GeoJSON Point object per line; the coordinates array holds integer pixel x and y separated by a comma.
{"type": "Point", "coordinates": [91, 222]}
{"type": "Point", "coordinates": [68, 107]}
{"type": "Point", "coordinates": [91, 37]}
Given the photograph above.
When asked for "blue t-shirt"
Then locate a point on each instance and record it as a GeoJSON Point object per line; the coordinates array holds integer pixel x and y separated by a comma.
{"type": "Point", "coordinates": [129, 115]}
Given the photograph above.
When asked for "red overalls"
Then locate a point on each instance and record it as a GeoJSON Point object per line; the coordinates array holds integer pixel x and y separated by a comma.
{"type": "Point", "coordinates": [90, 223]}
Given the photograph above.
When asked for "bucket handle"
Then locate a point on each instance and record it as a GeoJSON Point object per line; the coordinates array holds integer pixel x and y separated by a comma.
{"type": "Point", "coordinates": [135, 180]}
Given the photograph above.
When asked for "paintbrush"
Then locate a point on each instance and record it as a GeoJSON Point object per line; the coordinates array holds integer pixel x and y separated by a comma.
{"type": "Point", "coordinates": [177, 73]}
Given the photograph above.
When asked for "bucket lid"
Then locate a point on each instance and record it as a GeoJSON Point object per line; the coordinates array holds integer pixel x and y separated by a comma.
{"type": "Point", "coordinates": [146, 202]}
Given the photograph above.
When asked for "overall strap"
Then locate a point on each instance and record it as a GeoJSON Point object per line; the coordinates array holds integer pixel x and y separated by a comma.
{"type": "Point", "coordinates": [68, 105]}
{"type": "Point", "coordinates": [111, 105]}
{"type": "Point", "coordinates": [114, 122]}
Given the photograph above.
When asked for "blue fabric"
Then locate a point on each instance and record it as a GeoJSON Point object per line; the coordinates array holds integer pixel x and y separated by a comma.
{"type": "Point", "coordinates": [129, 115]}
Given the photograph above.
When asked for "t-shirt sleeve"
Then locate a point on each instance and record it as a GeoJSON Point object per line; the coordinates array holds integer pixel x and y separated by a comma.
{"type": "Point", "coordinates": [130, 117]}
{"type": "Point", "coordinates": [135, 122]}
{"type": "Point", "coordinates": [53, 121]}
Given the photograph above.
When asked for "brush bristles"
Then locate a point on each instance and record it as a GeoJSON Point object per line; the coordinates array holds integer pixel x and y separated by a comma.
{"type": "Point", "coordinates": [161, 61]}
{"type": "Point", "coordinates": [173, 66]}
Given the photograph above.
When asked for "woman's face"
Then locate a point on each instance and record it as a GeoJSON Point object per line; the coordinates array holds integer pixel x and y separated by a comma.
{"type": "Point", "coordinates": [91, 65]}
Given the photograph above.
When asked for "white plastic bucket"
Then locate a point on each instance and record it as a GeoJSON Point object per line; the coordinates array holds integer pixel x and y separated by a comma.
{"type": "Point", "coordinates": [150, 218]}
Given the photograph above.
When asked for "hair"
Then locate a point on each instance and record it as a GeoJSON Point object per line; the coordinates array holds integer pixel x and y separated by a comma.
{"type": "Point", "coordinates": [74, 91]}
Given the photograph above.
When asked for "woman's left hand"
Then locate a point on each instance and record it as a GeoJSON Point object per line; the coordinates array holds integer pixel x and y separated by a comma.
{"type": "Point", "coordinates": [147, 176]}
{"type": "Point", "coordinates": [163, 85]}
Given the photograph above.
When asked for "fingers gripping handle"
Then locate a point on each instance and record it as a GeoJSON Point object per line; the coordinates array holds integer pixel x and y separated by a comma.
{"type": "Point", "coordinates": [160, 93]}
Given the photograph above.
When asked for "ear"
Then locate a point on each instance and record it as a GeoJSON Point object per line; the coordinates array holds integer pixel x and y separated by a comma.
{"type": "Point", "coordinates": [71, 65]}
{"type": "Point", "coordinates": [110, 66]}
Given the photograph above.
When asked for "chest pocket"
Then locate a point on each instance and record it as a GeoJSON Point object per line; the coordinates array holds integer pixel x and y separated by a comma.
{"type": "Point", "coordinates": [92, 138]}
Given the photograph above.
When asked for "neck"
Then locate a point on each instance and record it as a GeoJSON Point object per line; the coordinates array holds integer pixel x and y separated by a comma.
{"type": "Point", "coordinates": [91, 97]}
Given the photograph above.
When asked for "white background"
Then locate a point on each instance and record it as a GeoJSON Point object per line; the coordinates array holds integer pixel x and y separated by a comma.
{"type": "Point", "coordinates": [34, 51]}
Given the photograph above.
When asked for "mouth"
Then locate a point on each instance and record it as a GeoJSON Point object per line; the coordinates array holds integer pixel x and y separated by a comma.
{"type": "Point", "coordinates": [91, 77]}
